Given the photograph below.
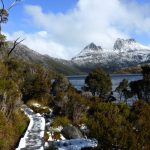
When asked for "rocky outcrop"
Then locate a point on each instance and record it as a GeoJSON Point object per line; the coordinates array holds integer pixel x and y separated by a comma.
{"type": "Point", "coordinates": [125, 53]}
{"type": "Point", "coordinates": [71, 132]}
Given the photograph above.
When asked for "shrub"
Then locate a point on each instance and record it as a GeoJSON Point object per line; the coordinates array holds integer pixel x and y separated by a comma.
{"type": "Point", "coordinates": [46, 136]}
{"type": "Point", "coordinates": [98, 82]}
{"type": "Point", "coordinates": [11, 130]}
{"type": "Point", "coordinates": [60, 121]}
{"type": "Point", "coordinates": [109, 125]}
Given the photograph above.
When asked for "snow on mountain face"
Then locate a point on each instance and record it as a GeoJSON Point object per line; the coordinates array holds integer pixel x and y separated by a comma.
{"type": "Point", "coordinates": [129, 44]}
{"type": "Point", "coordinates": [121, 43]}
{"type": "Point", "coordinates": [123, 52]}
{"type": "Point", "coordinates": [90, 53]}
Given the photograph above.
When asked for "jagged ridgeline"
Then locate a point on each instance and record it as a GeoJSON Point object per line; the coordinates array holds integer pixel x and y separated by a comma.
{"type": "Point", "coordinates": [125, 53]}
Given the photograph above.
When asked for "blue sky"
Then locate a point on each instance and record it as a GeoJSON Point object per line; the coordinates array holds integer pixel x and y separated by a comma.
{"type": "Point", "coordinates": [61, 28]}
{"type": "Point", "coordinates": [17, 14]}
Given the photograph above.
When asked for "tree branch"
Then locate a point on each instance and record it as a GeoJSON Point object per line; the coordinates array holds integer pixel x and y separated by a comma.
{"type": "Point", "coordinates": [3, 6]}
{"type": "Point", "coordinates": [14, 45]}
{"type": "Point", "coordinates": [13, 4]}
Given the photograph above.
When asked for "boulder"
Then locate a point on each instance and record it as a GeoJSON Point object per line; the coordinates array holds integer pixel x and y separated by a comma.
{"type": "Point", "coordinates": [71, 132]}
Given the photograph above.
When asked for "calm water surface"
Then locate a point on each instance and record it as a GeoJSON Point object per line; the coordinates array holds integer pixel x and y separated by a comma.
{"type": "Point", "coordinates": [78, 81]}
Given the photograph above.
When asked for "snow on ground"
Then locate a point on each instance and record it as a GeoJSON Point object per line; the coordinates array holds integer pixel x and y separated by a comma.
{"type": "Point", "coordinates": [36, 105]}
{"type": "Point", "coordinates": [33, 138]}
{"type": "Point", "coordinates": [72, 144]}
{"type": "Point", "coordinates": [75, 144]}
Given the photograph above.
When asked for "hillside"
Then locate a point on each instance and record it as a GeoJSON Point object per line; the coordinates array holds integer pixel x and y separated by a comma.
{"type": "Point", "coordinates": [125, 54]}
{"type": "Point", "coordinates": [58, 65]}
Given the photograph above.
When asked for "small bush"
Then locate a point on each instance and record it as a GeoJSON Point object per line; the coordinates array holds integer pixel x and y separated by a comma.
{"type": "Point", "coordinates": [60, 121]}
{"type": "Point", "coordinates": [46, 136]}
{"type": "Point", "coordinates": [56, 136]}
{"type": "Point", "coordinates": [11, 130]}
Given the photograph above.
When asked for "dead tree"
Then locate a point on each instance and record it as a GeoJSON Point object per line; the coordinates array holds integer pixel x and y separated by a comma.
{"type": "Point", "coordinates": [16, 42]}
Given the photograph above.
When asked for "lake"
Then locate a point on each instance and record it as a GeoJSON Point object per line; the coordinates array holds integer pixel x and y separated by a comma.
{"type": "Point", "coordinates": [78, 81]}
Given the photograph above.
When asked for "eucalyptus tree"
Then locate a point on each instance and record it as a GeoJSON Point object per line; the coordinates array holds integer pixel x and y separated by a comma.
{"type": "Point", "coordinates": [98, 82]}
{"type": "Point", "coordinates": [4, 14]}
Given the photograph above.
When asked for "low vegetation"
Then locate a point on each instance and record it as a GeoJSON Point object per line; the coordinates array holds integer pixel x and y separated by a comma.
{"type": "Point", "coordinates": [114, 125]}
{"type": "Point", "coordinates": [129, 70]}
{"type": "Point", "coordinates": [12, 129]}
{"type": "Point", "coordinates": [20, 82]}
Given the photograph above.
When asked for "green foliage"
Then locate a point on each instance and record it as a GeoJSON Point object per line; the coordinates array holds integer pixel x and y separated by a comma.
{"type": "Point", "coordinates": [46, 136]}
{"type": "Point", "coordinates": [122, 88]}
{"type": "Point", "coordinates": [146, 78]}
{"type": "Point", "coordinates": [2, 38]}
{"type": "Point", "coordinates": [142, 87]}
{"type": "Point", "coordinates": [118, 126]}
{"type": "Point", "coordinates": [140, 120]}
{"type": "Point", "coordinates": [3, 70]}
{"type": "Point", "coordinates": [76, 107]}
{"type": "Point", "coordinates": [11, 130]}
{"type": "Point", "coordinates": [60, 85]}
{"type": "Point", "coordinates": [137, 88]}
{"type": "Point", "coordinates": [71, 104]}
{"type": "Point", "coordinates": [36, 85]}
{"type": "Point", "coordinates": [4, 15]}
{"type": "Point", "coordinates": [14, 75]}
{"type": "Point", "coordinates": [99, 82]}
{"type": "Point", "coordinates": [109, 126]}
{"type": "Point", "coordinates": [60, 121]}
{"type": "Point", "coordinates": [56, 136]}
{"type": "Point", "coordinates": [3, 44]}
{"type": "Point", "coordinates": [146, 71]}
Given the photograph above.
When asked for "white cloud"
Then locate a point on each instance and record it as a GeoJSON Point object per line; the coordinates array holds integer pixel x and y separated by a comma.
{"type": "Point", "coordinates": [99, 21]}
{"type": "Point", "coordinates": [40, 42]}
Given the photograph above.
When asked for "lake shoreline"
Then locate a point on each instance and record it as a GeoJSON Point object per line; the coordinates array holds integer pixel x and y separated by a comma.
{"type": "Point", "coordinates": [78, 81]}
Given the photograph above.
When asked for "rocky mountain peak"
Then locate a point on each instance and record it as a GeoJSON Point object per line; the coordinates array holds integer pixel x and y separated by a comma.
{"type": "Point", "coordinates": [121, 43]}
{"type": "Point", "coordinates": [92, 46]}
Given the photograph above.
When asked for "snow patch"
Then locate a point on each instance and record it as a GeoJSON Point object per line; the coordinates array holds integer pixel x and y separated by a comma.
{"type": "Point", "coordinates": [33, 138]}
{"type": "Point", "coordinates": [75, 144]}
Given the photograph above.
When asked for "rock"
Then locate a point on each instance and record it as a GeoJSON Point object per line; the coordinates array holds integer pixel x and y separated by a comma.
{"type": "Point", "coordinates": [71, 132]}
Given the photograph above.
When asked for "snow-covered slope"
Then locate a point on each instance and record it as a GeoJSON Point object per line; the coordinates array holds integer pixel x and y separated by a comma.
{"type": "Point", "coordinates": [91, 54]}
{"type": "Point", "coordinates": [125, 53]}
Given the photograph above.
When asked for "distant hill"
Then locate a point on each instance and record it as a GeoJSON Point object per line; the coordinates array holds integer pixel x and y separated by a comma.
{"type": "Point", "coordinates": [58, 65]}
{"type": "Point", "coordinates": [130, 70]}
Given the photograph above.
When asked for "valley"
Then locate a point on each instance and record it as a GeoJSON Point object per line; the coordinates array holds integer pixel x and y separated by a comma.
{"type": "Point", "coordinates": [125, 54]}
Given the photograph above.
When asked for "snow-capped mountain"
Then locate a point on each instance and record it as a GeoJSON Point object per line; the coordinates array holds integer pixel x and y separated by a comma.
{"type": "Point", "coordinates": [125, 53]}
{"type": "Point", "coordinates": [91, 54]}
